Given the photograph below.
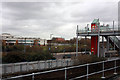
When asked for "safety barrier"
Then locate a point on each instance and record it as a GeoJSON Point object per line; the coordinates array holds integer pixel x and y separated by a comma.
{"type": "Point", "coordinates": [96, 30]}
{"type": "Point", "coordinates": [116, 65]}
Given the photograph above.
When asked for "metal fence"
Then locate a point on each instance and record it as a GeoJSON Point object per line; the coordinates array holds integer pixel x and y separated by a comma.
{"type": "Point", "coordinates": [36, 65]}
{"type": "Point", "coordinates": [88, 73]}
{"type": "Point", "coordinates": [96, 30]}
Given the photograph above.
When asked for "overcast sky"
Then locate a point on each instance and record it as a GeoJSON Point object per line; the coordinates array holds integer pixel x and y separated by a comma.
{"type": "Point", "coordinates": [40, 19]}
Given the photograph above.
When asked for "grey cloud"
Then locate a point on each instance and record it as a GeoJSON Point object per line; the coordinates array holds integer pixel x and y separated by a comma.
{"type": "Point", "coordinates": [23, 10]}
{"type": "Point", "coordinates": [60, 18]}
{"type": "Point", "coordinates": [104, 11]}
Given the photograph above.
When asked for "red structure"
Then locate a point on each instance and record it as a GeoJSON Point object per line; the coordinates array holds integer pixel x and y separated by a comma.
{"type": "Point", "coordinates": [94, 39]}
{"type": "Point", "coordinates": [98, 47]}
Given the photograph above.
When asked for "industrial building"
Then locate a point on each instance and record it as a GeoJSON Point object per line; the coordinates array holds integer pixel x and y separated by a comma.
{"type": "Point", "coordinates": [8, 39]}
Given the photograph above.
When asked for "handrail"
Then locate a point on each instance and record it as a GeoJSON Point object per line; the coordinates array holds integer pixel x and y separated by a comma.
{"type": "Point", "coordinates": [66, 68]}
{"type": "Point", "coordinates": [96, 30]}
{"type": "Point", "coordinates": [92, 73]}
{"type": "Point", "coordinates": [115, 39]}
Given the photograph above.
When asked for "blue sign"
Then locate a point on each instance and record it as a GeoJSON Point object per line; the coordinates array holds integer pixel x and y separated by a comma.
{"type": "Point", "coordinates": [49, 48]}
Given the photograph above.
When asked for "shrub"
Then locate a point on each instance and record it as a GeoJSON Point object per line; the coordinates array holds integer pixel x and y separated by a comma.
{"type": "Point", "coordinates": [13, 57]}
{"type": "Point", "coordinates": [83, 59]}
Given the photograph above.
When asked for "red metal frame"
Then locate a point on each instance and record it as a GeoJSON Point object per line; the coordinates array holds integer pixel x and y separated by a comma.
{"type": "Point", "coordinates": [94, 41]}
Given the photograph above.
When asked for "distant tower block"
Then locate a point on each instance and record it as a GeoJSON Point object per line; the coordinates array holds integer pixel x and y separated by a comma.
{"type": "Point", "coordinates": [94, 39]}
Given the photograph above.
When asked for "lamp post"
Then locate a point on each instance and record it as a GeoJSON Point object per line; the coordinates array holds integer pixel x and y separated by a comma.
{"type": "Point", "coordinates": [50, 43]}
{"type": "Point", "coordinates": [25, 46]}
{"type": "Point", "coordinates": [51, 36]}
{"type": "Point", "coordinates": [56, 52]}
{"type": "Point", "coordinates": [77, 42]}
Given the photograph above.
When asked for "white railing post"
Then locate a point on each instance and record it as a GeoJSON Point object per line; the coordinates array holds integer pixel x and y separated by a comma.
{"type": "Point", "coordinates": [65, 73]}
{"type": "Point", "coordinates": [103, 76]}
{"type": "Point", "coordinates": [33, 76]}
{"type": "Point", "coordinates": [87, 71]}
{"type": "Point", "coordinates": [115, 68]}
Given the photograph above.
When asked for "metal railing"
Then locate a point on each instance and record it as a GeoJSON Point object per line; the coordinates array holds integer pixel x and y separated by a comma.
{"type": "Point", "coordinates": [115, 66]}
{"type": "Point", "coordinates": [115, 40]}
{"type": "Point", "coordinates": [96, 30]}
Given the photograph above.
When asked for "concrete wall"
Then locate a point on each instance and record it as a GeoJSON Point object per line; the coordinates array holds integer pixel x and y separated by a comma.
{"type": "Point", "coordinates": [35, 65]}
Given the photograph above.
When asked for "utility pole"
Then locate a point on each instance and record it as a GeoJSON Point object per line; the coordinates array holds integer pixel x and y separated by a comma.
{"type": "Point", "coordinates": [98, 40]}
{"type": "Point", "coordinates": [103, 48]}
{"type": "Point", "coordinates": [77, 42]}
{"type": "Point", "coordinates": [50, 42]}
{"type": "Point", "coordinates": [113, 26]}
{"type": "Point", "coordinates": [85, 45]}
{"type": "Point", "coordinates": [25, 46]}
{"type": "Point", "coordinates": [87, 28]}
{"type": "Point", "coordinates": [114, 36]}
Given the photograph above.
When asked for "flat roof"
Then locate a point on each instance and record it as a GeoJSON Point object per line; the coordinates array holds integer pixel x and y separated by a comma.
{"type": "Point", "coordinates": [95, 21]}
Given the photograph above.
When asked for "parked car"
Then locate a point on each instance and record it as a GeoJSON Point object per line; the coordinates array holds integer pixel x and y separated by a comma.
{"type": "Point", "coordinates": [66, 56]}
{"type": "Point", "coordinates": [86, 52]}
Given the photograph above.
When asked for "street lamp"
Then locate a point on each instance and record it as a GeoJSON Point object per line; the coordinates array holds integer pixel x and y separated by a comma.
{"type": "Point", "coordinates": [51, 36]}
{"type": "Point", "coordinates": [56, 52]}
{"type": "Point", "coordinates": [50, 43]}
{"type": "Point", "coordinates": [25, 45]}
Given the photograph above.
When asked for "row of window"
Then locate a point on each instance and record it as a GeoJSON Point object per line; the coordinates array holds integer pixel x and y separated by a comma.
{"type": "Point", "coordinates": [22, 41]}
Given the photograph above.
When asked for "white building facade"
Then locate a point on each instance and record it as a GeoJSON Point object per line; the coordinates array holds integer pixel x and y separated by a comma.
{"type": "Point", "coordinates": [9, 39]}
